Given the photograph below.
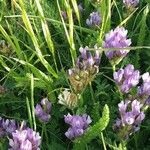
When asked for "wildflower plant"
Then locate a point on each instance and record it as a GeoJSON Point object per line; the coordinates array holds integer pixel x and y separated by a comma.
{"type": "Point", "coordinates": [39, 43]}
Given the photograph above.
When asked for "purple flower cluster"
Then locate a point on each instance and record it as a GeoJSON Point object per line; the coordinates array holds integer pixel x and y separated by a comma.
{"type": "Point", "coordinates": [7, 127]}
{"type": "Point", "coordinates": [116, 38]}
{"type": "Point", "coordinates": [94, 19]}
{"type": "Point", "coordinates": [130, 120]}
{"type": "Point", "coordinates": [86, 60]}
{"type": "Point", "coordinates": [127, 78]}
{"type": "Point", "coordinates": [79, 125]}
{"type": "Point", "coordinates": [87, 66]}
{"type": "Point", "coordinates": [25, 140]}
{"type": "Point", "coordinates": [42, 110]}
{"type": "Point", "coordinates": [131, 3]}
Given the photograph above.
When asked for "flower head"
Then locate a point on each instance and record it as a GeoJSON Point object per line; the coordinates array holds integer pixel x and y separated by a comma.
{"type": "Point", "coordinates": [7, 127]}
{"type": "Point", "coordinates": [25, 140]}
{"type": "Point", "coordinates": [68, 99]}
{"type": "Point", "coordinates": [116, 38]}
{"type": "Point", "coordinates": [94, 19]}
{"type": "Point", "coordinates": [87, 66]}
{"type": "Point", "coordinates": [127, 78]}
{"type": "Point", "coordinates": [131, 3]}
{"type": "Point", "coordinates": [131, 117]}
{"type": "Point", "coordinates": [79, 125]}
{"type": "Point", "coordinates": [43, 109]}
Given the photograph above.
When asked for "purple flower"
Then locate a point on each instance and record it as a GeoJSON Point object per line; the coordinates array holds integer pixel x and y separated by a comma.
{"type": "Point", "coordinates": [128, 70]}
{"type": "Point", "coordinates": [146, 77]}
{"type": "Point", "coordinates": [123, 106]}
{"type": "Point", "coordinates": [147, 102]}
{"type": "Point", "coordinates": [94, 19]}
{"type": "Point", "coordinates": [136, 106]}
{"type": "Point", "coordinates": [79, 125]}
{"type": "Point", "coordinates": [87, 66]}
{"type": "Point", "coordinates": [25, 140]}
{"type": "Point", "coordinates": [131, 3]}
{"type": "Point", "coordinates": [42, 110]}
{"type": "Point", "coordinates": [7, 127]}
{"type": "Point", "coordinates": [128, 118]}
{"type": "Point", "coordinates": [116, 38]}
{"type": "Point", "coordinates": [127, 78]}
{"type": "Point", "coordinates": [144, 89]}
{"type": "Point", "coordinates": [86, 59]}
{"type": "Point", "coordinates": [118, 76]}
{"type": "Point", "coordinates": [131, 117]}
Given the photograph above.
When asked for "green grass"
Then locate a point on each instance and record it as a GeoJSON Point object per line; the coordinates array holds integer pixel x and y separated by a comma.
{"type": "Point", "coordinates": [44, 45]}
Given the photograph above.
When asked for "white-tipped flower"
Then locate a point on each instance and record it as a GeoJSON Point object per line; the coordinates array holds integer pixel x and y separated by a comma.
{"type": "Point", "coordinates": [67, 99]}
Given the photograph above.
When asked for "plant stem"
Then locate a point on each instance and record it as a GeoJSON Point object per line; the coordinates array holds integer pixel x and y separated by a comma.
{"type": "Point", "coordinates": [29, 112]}
{"type": "Point", "coordinates": [114, 68]}
{"type": "Point", "coordinates": [103, 141]}
{"type": "Point", "coordinates": [46, 136]}
{"type": "Point", "coordinates": [91, 91]}
{"type": "Point", "coordinates": [32, 101]}
{"type": "Point", "coordinates": [42, 134]}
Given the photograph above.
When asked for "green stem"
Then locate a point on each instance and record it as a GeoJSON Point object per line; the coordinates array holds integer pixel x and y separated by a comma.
{"type": "Point", "coordinates": [42, 134]}
{"type": "Point", "coordinates": [103, 141]}
{"type": "Point", "coordinates": [91, 91]}
{"type": "Point", "coordinates": [114, 68]}
{"type": "Point", "coordinates": [46, 136]}
{"type": "Point", "coordinates": [29, 112]}
{"type": "Point", "coordinates": [80, 100]}
{"type": "Point", "coordinates": [32, 101]}
{"type": "Point", "coordinates": [122, 146]}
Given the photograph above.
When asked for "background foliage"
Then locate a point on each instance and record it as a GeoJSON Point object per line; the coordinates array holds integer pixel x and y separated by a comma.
{"type": "Point", "coordinates": [43, 46]}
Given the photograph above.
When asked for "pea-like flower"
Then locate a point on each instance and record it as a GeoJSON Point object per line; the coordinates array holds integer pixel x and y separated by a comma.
{"type": "Point", "coordinates": [116, 38]}
{"type": "Point", "coordinates": [78, 125]}
{"type": "Point", "coordinates": [87, 66]}
{"type": "Point", "coordinates": [94, 19]}
{"type": "Point", "coordinates": [131, 3]}
{"type": "Point", "coordinates": [68, 99]}
{"type": "Point", "coordinates": [25, 140]}
{"type": "Point", "coordinates": [129, 121]}
{"type": "Point", "coordinates": [42, 110]}
{"type": "Point", "coordinates": [127, 78]}
{"type": "Point", "coordinates": [7, 127]}
{"type": "Point", "coordinates": [144, 88]}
